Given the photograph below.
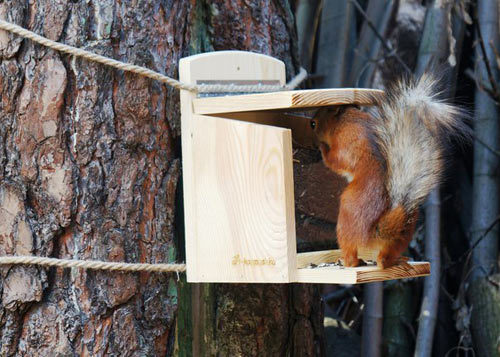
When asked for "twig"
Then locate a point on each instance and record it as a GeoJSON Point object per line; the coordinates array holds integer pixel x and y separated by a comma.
{"type": "Point", "coordinates": [341, 306]}
{"type": "Point", "coordinates": [495, 51]}
{"type": "Point", "coordinates": [468, 251]}
{"type": "Point", "coordinates": [492, 282]}
{"type": "Point", "coordinates": [485, 55]}
{"type": "Point", "coordinates": [460, 348]}
{"type": "Point", "coordinates": [338, 294]}
{"type": "Point", "coordinates": [356, 318]}
{"type": "Point", "coordinates": [371, 61]}
{"type": "Point", "coordinates": [469, 73]}
{"type": "Point", "coordinates": [385, 45]}
{"type": "Point", "coordinates": [409, 327]}
{"type": "Point", "coordinates": [496, 152]}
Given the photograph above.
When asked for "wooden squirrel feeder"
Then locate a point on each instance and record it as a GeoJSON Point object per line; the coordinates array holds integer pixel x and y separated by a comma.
{"type": "Point", "coordinates": [238, 177]}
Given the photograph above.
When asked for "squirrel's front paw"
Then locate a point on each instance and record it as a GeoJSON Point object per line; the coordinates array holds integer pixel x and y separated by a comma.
{"type": "Point", "coordinates": [351, 260]}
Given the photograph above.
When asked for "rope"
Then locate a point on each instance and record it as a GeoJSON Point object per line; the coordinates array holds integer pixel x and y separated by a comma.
{"type": "Point", "coordinates": [93, 57]}
{"type": "Point", "coordinates": [91, 264]}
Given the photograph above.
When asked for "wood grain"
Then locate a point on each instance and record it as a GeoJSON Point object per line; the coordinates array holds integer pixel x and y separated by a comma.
{"type": "Point", "coordinates": [301, 99]}
{"type": "Point", "coordinates": [244, 207]}
{"type": "Point", "coordinates": [238, 182]}
{"type": "Point", "coordinates": [400, 271]}
{"type": "Point", "coordinates": [366, 274]}
{"type": "Point", "coordinates": [343, 275]}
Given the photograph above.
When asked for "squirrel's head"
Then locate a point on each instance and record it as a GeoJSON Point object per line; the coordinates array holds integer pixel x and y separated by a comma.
{"type": "Point", "coordinates": [323, 125]}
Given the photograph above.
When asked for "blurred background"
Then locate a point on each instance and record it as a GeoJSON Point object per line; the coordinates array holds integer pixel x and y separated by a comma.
{"type": "Point", "coordinates": [455, 311]}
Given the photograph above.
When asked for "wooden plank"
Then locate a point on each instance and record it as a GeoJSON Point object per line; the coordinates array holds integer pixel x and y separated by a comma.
{"type": "Point", "coordinates": [231, 66]}
{"type": "Point", "coordinates": [365, 274]}
{"type": "Point", "coordinates": [238, 179]}
{"type": "Point", "coordinates": [327, 275]}
{"type": "Point", "coordinates": [225, 66]}
{"type": "Point", "coordinates": [301, 99]}
{"type": "Point", "coordinates": [343, 275]}
{"type": "Point", "coordinates": [244, 205]}
{"type": "Point", "coordinates": [400, 271]}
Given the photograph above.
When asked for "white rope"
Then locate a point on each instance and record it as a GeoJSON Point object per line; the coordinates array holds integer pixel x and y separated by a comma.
{"type": "Point", "coordinates": [91, 264]}
{"type": "Point", "coordinates": [78, 52]}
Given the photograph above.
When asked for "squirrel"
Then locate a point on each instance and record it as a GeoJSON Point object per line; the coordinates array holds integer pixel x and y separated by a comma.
{"type": "Point", "coordinates": [391, 160]}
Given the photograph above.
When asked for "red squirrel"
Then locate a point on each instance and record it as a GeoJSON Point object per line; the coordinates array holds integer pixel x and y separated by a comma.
{"type": "Point", "coordinates": [391, 160]}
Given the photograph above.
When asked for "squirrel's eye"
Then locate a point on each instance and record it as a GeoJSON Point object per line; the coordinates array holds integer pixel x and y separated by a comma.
{"type": "Point", "coordinates": [313, 124]}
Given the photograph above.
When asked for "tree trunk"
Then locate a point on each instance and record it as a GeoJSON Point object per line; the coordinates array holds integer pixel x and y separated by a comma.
{"type": "Point", "coordinates": [485, 208]}
{"type": "Point", "coordinates": [88, 170]}
{"type": "Point", "coordinates": [399, 313]}
{"type": "Point", "coordinates": [371, 339]}
{"type": "Point", "coordinates": [89, 165]}
{"type": "Point", "coordinates": [433, 50]}
{"type": "Point", "coordinates": [307, 17]}
{"type": "Point", "coordinates": [336, 42]}
{"type": "Point", "coordinates": [254, 319]}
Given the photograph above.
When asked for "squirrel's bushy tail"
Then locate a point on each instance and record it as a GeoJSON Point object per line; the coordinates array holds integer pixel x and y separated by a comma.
{"type": "Point", "coordinates": [411, 129]}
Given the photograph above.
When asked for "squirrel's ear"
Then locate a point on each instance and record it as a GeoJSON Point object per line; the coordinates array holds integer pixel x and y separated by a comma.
{"type": "Point", "coordinates": [332, 111]}
{"type": "Point", "coordinates": [321, 113]}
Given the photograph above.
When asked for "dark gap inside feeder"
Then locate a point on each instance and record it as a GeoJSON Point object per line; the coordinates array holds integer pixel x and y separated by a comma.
{"type": "Point", "coordinates": [317, 195]}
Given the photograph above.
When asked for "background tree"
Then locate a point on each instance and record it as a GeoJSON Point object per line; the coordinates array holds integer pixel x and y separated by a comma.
{"type": "Point", "coordinates": [387, 39]}
{"type": "Point", "coordinates": [483, 293]}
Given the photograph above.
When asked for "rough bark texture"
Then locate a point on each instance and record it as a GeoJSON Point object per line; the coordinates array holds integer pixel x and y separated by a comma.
{"type": "Point", "coordinates": [251, 319]}
{"type": "Point", "coordinates": [89, 169]}
{"type": "Point", "coordinates": [486, 313]}
{"type": "Point", "coordinates": [399, 312]}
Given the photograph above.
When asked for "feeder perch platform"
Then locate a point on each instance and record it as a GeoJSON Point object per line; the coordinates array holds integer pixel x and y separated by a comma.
{"type": "Point", "coordinates": [238, 177]}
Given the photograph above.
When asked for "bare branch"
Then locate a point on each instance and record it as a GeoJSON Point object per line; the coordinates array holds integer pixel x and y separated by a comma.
{"type": "Point", "coordinates": [387, 47]}
{"type": "Point", "coordinates": [475, 244]}
{"type": "Point", "coordinates": [495, 51]}
{"type": "Point", "coordinates": [480, 141]}
{"type": "Point", "coordinates": [485, 56]}
{"type": "Point", "coordinates": [482, 86]}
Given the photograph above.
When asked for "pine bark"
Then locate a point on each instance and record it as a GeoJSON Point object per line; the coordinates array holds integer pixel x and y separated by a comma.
{"type": "Point", "coordinates": [88, 170]}
{"type": "Point", "coordinates": [89, 167]}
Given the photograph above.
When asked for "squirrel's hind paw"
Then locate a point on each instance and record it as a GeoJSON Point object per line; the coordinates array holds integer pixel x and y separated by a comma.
{"type": "Point", "coordinates": [388, 261]}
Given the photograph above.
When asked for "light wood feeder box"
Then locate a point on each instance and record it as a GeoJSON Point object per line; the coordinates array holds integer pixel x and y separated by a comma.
{"type": "Point", "coordinates": [238, 177]}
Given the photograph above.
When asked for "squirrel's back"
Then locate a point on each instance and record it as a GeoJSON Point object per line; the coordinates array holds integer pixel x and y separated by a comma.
{"type": "Point", "coordinates": [410, 130]}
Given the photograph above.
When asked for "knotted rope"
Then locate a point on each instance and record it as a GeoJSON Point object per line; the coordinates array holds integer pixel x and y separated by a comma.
{"type": "Point", "coordinates": [146, 72]}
